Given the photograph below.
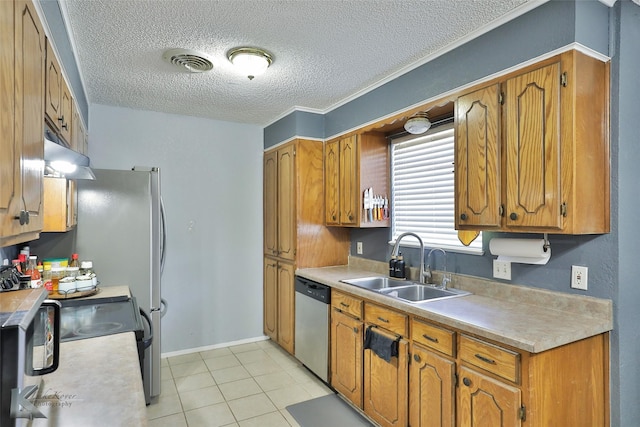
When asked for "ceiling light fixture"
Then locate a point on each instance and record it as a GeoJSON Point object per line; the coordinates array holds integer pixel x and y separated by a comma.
{"type": "Point", "coordinates": [417, 124]}
{"type": "Point", "coordinates": [250, 61]}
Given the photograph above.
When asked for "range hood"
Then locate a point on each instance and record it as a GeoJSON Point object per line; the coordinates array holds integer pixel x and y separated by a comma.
{"type": "Point", "coordinates": [54, 151]}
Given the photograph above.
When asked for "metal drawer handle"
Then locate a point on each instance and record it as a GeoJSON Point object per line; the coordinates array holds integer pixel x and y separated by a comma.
{"type": "Point", "coordinates": [343, 304]}
{"type": "Point", "coordinates": [486, 359]}
{"type": "Point", "coordinates": [383, 319]}
{"type": "Point", "coordinates": [427, 337]}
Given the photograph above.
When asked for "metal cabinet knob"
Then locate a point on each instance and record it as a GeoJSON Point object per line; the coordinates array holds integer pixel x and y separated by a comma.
{"type": "Point", "coordinates": [466, 381]}
{"type": "Point", "coordinates": [464, 217]}
{"type": "Point", "coordinates": [416, 358]}
{"type": "Point", "coordinates": [513, 216]}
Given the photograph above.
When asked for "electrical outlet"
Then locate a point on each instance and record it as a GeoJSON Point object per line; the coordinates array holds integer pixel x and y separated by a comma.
{"type": "Point", "coordinates": [579, 277]}
{"type": "Point", "coordinates": [359, 248]}
{"type": "Point", "coordinates": [501, 269]}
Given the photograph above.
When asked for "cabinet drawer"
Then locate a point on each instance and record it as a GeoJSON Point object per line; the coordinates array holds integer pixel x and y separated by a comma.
{"type": "Point", "coordinates": [387, 319]}
{"type": "Point", "coordinates": [502, 362]}
{"type": "Point", "coordinates": [434, 337]}
{"type": "Point", "coordinates": [347, 304]}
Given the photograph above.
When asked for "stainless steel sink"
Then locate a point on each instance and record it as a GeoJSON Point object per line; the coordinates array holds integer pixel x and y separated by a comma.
{"type": "Point", "coordinates": [376, 283]}
{"type": "Point", "coordinates": [418, 293]}
{"type": "Point", "coordinates": [404, 290]}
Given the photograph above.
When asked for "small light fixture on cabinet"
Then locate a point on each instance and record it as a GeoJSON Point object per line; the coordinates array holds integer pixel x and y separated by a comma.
{"type": "Point", "coordinates": [250, 61]}
{"type": "Point", "coordinates": [417, 124]}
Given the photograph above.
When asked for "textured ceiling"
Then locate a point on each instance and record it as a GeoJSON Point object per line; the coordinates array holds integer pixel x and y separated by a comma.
{"type": "Point", "coordinates": [325, 51]}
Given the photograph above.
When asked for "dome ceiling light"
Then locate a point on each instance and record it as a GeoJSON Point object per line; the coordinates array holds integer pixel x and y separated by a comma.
{"type": "Point", "coordinates": [250, 61]}
{"type": "Point", "coordinates": [417, 124]}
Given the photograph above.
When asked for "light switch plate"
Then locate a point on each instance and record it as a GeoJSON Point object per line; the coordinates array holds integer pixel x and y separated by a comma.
{"type": "Point", "coordinates": [501, 269]}
{"type": "Point", "coordinates": [359, 248]}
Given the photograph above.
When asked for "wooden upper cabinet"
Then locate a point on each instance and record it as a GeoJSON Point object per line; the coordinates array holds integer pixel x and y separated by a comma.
{"type": "Point", "coordinates": [60, 205]}
{"type": "Point", "coordinates": [352, 165]}
{"type": "Point", "coordinates": [58, 100]}
{"type": "Point", "coordinates": [332, 180]}
{"type": "Point", "coordinates": [477, 158]}
{"type": "Point", "coordinates": [294, 217]}
{"type": "Point", "coordinates": [23, 146]}
{"type": "Point", "coordinates": [539, 162]}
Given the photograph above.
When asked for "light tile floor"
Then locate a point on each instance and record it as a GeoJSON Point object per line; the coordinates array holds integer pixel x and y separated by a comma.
{"type": "Point", "coordinates": [245, 386]}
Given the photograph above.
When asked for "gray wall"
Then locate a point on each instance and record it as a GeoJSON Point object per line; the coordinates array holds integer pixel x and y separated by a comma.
{"type": "Point", "coordinates": [613, 270]}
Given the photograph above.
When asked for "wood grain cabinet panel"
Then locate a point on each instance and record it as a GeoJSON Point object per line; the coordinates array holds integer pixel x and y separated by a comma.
{"type": "Point", "coordinates": [532, 150]}
{"type": "Point", "coordinates": [60, 202]}
{"type": "Point", "coordinates": [21, 187]}
{"type": "Point", "coordinates": [347, 356]}
{"type": "Point", "coordinates": [353, 164]}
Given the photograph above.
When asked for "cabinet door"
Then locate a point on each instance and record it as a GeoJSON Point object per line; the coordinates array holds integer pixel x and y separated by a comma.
{"type": "Point", "coordinates": [346, 356]}
{"type": "Point", "coordinates": [349, 185]}
{"type": "Point", "coordinates": [30, 67]}
{"type": "Point", "coordinates": [386, 386]}
{"type": "Point", "coordinates": [431, 389]}
{"type": "Point", "coordinates": [67, 112]}
{"type": "Point", "coordinates": [477, 164]}
{"type": "Point", "coordinates": [270, 203]}
{"type": "Point", "coordinates": [286, 306]}
{"type": "Point", "coordinates": [270, 299]}
{"type": "Point", "coordinates": [485, 402]}
{"type": "Point", "coordinates": [286, 218]}
{"type": "Point", "coordinates": [72, 204]}
{"type": "Point", "coordinates": [532, 106]}
{"type": "Point", "coordinates": [8, 154]}
{"type": "Point", "coordinates": [331, 182]}
{"type": "Point", "coordinates": [53, 102]}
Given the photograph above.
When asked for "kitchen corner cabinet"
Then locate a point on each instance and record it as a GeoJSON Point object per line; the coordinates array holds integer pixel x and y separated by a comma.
{"type": "Point", "coordinates": [58, 101]}
{"type": "Point", "coordinates": [532, 150]}
{"type": "Point", "coordinates": [22, 65]}
{"type": "Point", "coordinates": [279, 297]}
{"type": "Point", "coordinates": [78, 133]}
{"type": "Point", "coordinates": [60, 203]}
{"type": "Point", "coordinates": [352, 165]}
{"type": "Point", "coordinates": [347, 338]}
{"type": "Point", "coordinates": [294, 232]}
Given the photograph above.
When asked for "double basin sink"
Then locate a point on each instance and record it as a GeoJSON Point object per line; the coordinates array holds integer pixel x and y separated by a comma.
{"type": "Point", "coordinates": [405, 290]}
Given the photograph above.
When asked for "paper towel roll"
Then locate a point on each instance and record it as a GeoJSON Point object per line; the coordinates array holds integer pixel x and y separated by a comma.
{"type": "Point", "coordinates": [523, 251]}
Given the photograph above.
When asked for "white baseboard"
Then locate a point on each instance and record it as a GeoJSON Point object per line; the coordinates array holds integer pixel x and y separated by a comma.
{"type": "Point", "coordinates": [213, 347]}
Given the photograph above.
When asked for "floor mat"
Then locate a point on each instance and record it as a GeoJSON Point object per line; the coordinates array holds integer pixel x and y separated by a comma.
{"type": "Point", "coordinates": [326, 411]}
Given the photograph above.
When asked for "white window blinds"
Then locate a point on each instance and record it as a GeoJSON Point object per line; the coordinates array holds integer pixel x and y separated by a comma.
{"type": "Point", "coordinates": [422, 182]}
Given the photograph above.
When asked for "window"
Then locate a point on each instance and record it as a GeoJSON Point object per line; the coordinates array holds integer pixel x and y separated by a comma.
{"type": "Point", "coordinates": [422, 183]}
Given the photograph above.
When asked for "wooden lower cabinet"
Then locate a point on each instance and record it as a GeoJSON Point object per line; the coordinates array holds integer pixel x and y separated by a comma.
{"type": "Point", "coordinates": [346, 356]}
{"type": "Point", "coordinates": [279, 302]}
{"type": "Point", "coordinates": [386, 385]}
{"type": "Point", "coordinates": [486, 402]}
{"type": "Point", "coordinates": [432, 380]}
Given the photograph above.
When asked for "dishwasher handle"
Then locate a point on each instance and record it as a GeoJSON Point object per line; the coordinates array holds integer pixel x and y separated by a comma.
{"type": "Point", "coordinates": [314, 290]}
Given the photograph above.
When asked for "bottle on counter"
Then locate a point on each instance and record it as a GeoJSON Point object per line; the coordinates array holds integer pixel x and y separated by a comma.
{"type": "Point", "coordinates": [400, 267]}
{"type": "Point", "coordinates": [32, 270]}
{"type": "Point", "coordinates": [392, 266]}
{"type": "Point", "coordinates": [46, 277]}
{"type": "Point", "coordinates": [74, 261]}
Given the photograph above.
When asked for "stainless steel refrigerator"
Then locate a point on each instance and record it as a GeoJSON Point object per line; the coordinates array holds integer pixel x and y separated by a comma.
{"type": "Point", "coordinates": [121, 228]}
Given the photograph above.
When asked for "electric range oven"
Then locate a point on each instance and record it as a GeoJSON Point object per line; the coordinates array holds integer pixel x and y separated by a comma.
{"type": "Point", "coordinates": [90, 318]}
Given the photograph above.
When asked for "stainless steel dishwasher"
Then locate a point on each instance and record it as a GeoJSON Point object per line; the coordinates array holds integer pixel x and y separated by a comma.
{"type": "Point", "coordinates": [312, 326]}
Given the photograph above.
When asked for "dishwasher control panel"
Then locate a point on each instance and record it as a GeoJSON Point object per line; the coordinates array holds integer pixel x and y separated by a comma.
{"type": "Point", "coordinates": [313, 290]}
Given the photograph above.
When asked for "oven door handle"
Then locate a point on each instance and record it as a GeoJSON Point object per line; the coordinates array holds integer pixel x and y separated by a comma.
{"type": "Point", "coordinates": [147, 343]}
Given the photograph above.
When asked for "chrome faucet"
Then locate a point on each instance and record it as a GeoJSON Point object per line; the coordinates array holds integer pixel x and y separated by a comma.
{"type": "Point", "coordinates": [446, 278]}
{"type": "Point", "coordinates": [396, 247]}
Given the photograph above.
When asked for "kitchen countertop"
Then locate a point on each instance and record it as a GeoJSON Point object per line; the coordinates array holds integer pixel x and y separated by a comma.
{"type": "Point", "coordinates": [98, 382]}
{"type": "Point", "coordinates": [529, 319]}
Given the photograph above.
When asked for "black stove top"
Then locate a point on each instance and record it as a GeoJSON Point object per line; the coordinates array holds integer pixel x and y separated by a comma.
{"type": "Point", "coordinates": [95, 318]}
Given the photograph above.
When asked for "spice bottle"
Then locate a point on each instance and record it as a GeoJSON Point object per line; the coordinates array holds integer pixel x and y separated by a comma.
{"type": "Point", "coordinates": [74, 261]}
{"type": "Point", "coordinates": [32, 270]}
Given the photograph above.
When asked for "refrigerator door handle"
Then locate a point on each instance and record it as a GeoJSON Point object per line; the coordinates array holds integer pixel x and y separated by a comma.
{"type": "Point", "coordinates": [164, 236]}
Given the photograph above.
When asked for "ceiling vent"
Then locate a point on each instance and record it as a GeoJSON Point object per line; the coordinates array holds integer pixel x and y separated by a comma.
{"type": "Point", "coordinates": [189, 60]}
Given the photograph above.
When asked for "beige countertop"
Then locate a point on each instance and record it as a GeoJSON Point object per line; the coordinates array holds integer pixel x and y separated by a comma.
{"type": "Point", "coordinates": [526, 318]}
{"type": "Point", "coordinates": [97, 383]}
